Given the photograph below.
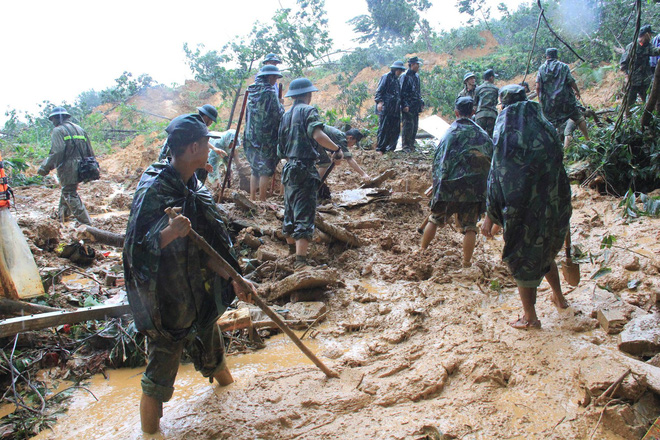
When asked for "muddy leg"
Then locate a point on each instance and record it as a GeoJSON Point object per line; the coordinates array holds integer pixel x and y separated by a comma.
{"type": "Point", "coordinates": [469, 241]}
{"type": "Point", "coordinates": [553, 279]}
{"type": "Point", "coordinates": [224, 377]}
{"type": "Point", "coordinates": [429, 233]}
{"type": "Point", "coordinates": [254, 184]}
{"type": "Point", "coordinates": [151, 410]}
{"type": "Point", "coordinates": [529, 319]}
{"type": "Point", "coordinates": [264, 184]}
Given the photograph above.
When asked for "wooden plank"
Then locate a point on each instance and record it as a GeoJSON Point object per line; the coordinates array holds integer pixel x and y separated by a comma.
{"type": "Point", "coordinates": [12, 326]}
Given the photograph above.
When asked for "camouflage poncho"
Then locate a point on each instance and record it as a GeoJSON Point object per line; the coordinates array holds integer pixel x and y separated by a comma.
{"type": "Point", "coordinates": [461, 163]}
{"type": "Point", "coordinates": [557, 96]}
{"type": "Point", "coordinates": [528, 191]}
{"type": "Point", "coordinates": [262, 121]}
{"type": "Point", "coordinates": [641, 73]}
{"type": "Point", "coordinates": [169, 288]}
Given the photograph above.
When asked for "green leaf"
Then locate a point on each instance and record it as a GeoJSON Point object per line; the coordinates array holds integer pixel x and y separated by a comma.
{"type": "Point", "coordinates": [601, 272]}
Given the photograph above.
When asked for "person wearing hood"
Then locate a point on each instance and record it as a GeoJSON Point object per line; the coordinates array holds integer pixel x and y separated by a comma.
{"type": "Point", "coordinates": [388, 99]}
{"type": "Point", "coordinates": [262, 120]}
{"type": "Point", "coordinates": [529, 196]}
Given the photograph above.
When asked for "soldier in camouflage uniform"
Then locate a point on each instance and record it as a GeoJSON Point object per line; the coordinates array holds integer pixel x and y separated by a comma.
{"type": "Point", "coordinates": [460, 171]}
{"type": "Point", "coordinates": [175, 297]}
{"type": "Point", "coordinates": [530, 197]}
{"type": "Point", "coordinates": [262, 121]}
{"type": "Point", "coordinates": [301, 130]}
{"type": "Point", "coordinates": [469, 85]}
{"type": "Point", "coordinates": [639, 72]}
{"type": "Point", "coordinates": [219, 156]}
{"type": "Point", "coordinates": [557, 92]}
{"type": "Point", "coordinates": [411, 104]}
{"type": "Point", "coordinates": [344, 141]}
{"type": "Point", "coordinates": [388, 99]}
{"type": "Point", "coordinates": [273, 60]}
{"type": "Point", "coordinates": [69, 144]}
{"type": "Point", "coordinates": [485, 101]}
{"type": "Point", "coordinates": [209, 115]}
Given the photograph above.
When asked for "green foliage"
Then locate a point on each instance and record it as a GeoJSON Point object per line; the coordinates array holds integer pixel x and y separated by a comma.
{"type": "Point", "coordinates": [628, 160]}
{"type": "Point", "coordinates": [607, 241]}
{"type": "Point", "coordinates": [631, 209]}
{"type": "Point", "coordinates": [351, 97]}
{"type": "Point", "coordinates": [16, 167]}
{"type": "Point", "coordinates": [122, 91]}
{"type": "Point", "coordinates": [389, 20]}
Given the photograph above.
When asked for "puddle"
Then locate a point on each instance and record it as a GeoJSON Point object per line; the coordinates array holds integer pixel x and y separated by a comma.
{"type": "Point", "coordinates": [117, 415]}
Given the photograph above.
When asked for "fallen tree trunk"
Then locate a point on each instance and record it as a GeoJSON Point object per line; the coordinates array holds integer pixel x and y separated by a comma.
{"type": "Point", "coordinates": [306, 279]}
{"type": "Point", "coordinates": [243, 202]}
{"type": "Point", "coordinates": [405, 198]}
{"type": "Point", "coordinates": [337, 232]}
{"type": "Point", "coordinates": [375, 223]}
{"type": "Point", "coordinates": [101, 236]}
{"type": "Point", "coordinates": [20, 308]}
{"type": "Point", "coordinates": [12, 326]}
{"type": "Point", "coordinates": [375, 182]}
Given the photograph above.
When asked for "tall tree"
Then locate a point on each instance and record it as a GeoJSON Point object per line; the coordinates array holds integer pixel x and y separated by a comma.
{"type": "Point", "coordinates": [389, 20]}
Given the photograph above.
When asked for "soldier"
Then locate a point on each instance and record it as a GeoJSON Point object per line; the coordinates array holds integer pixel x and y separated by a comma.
{"type": "Point", "coordinates": [300, 131]}
{"type": "Point", "coordinates": [388, 99]}
{"type": "Point", "coordinates": [638, 72]}
{"type": "Point", "coordinates": [175, 297]}
{"type": "Point", "coordinates": [69, 144]}
{"type": "Point", "coordinates": [486, 96]}
{"type": "Point", "coordinates": [469, 85]}
{"type": "Point", "coordinates": [273, 60]}
{"type": "Point", "coordinates": [411, 104]}
{"type": "Point", "coordinates": [530, 197]}
{"type": "Point", "coordinates": [262, 120]}
{"type": "Point", "coordinates": [209, 115]}
{"type": "Point", "coordinates": [460, 172]}
{"type": "Point", "coordinates": [218, 154]}
{"type": "Point", "coordinates": [557, 92]}
{"type": "Point", "coordinates": [344, 141]}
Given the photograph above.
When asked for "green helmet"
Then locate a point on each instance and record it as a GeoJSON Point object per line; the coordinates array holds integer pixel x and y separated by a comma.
{"type": "Point", "coordinates": [208, 110]}
{"type": "Point", "coordinates": [468, 76]}
{"type": "Point", "coordinates": [300, 86]}
{"type": "Point", "coordinates": [269, 69]}
{"type": "Point", "coordinates": [398, 65]}
{"type": "Point", "coordinates": [59, 111]}
{"type": "Point", "coordinates": [273, 58]}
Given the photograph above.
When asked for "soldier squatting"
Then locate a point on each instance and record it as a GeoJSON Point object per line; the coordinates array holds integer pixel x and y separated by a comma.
{"type": "Point", "coordinates": [490, 165]}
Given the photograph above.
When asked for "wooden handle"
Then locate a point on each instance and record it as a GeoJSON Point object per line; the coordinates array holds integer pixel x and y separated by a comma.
{"type": "Point", "coordinates": [235, 276]}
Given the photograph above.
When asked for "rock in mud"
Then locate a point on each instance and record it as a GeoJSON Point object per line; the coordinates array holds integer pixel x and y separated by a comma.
{"type": "Point", "coordinates": [641, 336]}
{"type": "Point", "coordinates": [43, 231]}
{"type": "Point", "coordinates": [612, 320]}
{"type": "Point", "coordinates": [306, 310]}
{"type": "Point", "coordinates": [631, 263]}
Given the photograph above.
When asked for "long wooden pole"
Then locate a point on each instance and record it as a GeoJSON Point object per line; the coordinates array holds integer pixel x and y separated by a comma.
{"type": "Point", "coordinates": [227, 178]}
{"type": "Point", "coordinates": [223, 268]}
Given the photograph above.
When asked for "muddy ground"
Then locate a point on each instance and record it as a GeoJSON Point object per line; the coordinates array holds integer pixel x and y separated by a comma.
{"type": "Point", "coordinates": [422, 345]}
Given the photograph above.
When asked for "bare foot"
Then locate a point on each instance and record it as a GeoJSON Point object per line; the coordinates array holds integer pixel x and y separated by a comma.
{"type": "Point", "coordinates": [559, 302]}
{"type": "Point", "coordinates": [223, 377]}
{"type": "Point", "coordinates": [523, 324]}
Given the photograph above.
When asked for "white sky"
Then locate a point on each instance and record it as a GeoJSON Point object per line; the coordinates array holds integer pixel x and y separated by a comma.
{"type": "Point", "coordinates": [56, 50]}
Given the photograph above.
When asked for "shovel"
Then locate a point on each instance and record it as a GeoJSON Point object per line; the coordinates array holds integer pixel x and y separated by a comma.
{"type": "Point", "coordinates": [570, 270]}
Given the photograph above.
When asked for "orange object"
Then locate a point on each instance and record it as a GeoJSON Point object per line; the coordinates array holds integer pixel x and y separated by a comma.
{"type": "Point", "coordinates": [5, 191]}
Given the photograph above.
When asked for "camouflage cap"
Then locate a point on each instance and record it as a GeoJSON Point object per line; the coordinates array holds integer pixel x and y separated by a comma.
{"type": "Point", "coordinates": [468, 76]}
{"type": "Point", "coordinates": [464, 106]}
{"type": "Point", "coordinates": [415, 60]}
{"type": "Point", "coordinates": [512, 93]}
{"type": "Point", "coordinates": [186, 129]}
{"type": "Point", "coordinates": [551, 52]}
{"type": "Point", "coordinates": [646, 29]}
{"type": "Point", "coordinates": [490, 73]}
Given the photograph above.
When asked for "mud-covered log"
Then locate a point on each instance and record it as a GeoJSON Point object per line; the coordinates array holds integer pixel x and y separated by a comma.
{"type": "Point", "coordinates": [101, 236]}
{"type": "Point", "coordinates": [10, 307]}
{"type": "Point", "coordinates": [251, 241]}
{"type": "Point", "coordinates": [263, 255]}
{"type": "Point", "coordinates": [322, 237]}
{"type": "Point", "coordinates": [235, 320]}
{"type": "Point", "coordinates": [375, 223]}
{"type": "Point", "coordinates": [243, 202]}
{"type": "Point", "coordinates": [377, 181]}
{"type": "Point", "coordinates": [403, 198]}
{"type": "Point", "coordinates": [337, 232]}
{"type": "Point", "coordinates": [306, 279]}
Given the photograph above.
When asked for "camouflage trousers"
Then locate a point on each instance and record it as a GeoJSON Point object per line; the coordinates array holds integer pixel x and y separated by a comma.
{"type": "Point", "coordinates": [640, 90]}
{"type": "Point", "coordinates": [301, 183]}
{"type": "Point", "coordinates": [488, 124]}
{"type": "Point", "coordinates": [389, 128]}
{"type": "Point", "coordinates": [409, 127]}
{"type": "Point", "coordinates": [203, 345]}
{"type": "Point", "coordinates": [263, 161]}
{"type": "Point", "coordinates": [72, 205]}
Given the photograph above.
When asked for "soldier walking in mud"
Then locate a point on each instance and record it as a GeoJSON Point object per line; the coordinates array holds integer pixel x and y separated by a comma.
{"type": "Point", "coordinates": [388, 100]}
{"type": "Point", "coordinates": [262, 121]}
{"type": "Point", "coordinates": [411, 104]}
{"type": "Point", "coordinates": [638, 70]}
{"type": "Point", "coordinates": [485, 101]}
{"type": "Point", "coordinates": [69, 145]}
{"type": "Point", "coordinates": [557, 92]}
{"type": "Point", "coordinates": [301, 130]}
{"type": "Point", "coordinates": [175, 298]}
{"type": "Point", "coordinates": [530, 197]}
{"type": "Point", "coordinates": [469, 85]}
{"type": "Point", "coordinates": [460, 172]}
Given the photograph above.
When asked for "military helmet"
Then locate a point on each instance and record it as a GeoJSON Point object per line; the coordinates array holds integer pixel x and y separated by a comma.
{"type": "Point", "coordinates": [268, 70]}
{"type": "Point", "coordinates": [300, 86]}
{"type": "Point", "coordinates": [59, 111]}
{"type": "Point", "coordinates": [273, 58]}
{"type": "Point", "coordinates": [398, 65]}
{"type": "Point", "coordinates": [468, 76]}
{"type": "Point", "coordinates": [209, 111]}
{"type": "Point", "coordinates": [512, 93]}
{"type": "Point", "coordinates": [646, 29]}
{"type": "Point", "coordinates": [490, 73]}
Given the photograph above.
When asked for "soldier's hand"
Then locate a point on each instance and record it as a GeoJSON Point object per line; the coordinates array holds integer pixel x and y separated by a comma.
{"type": "Point", "coordinates": [338, 155]}
{"type": "Point", "coordinates": [487, 227]}
{"type": "Point", "coordinates": [406, 109]}
{"type": "Point", "coordinates": [379, 107]}
{"type": "Point", "coordinates": [180, 225]}
{"type": "Point", "coordinates": [244, 295]}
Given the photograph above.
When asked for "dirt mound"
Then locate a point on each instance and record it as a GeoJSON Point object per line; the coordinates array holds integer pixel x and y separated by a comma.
{"type": "Point", "coordinates": [133, 159]}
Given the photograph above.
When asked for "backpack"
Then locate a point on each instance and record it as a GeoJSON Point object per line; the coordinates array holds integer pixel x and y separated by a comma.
{"type": "Point", "coordinates": [88, 167]}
